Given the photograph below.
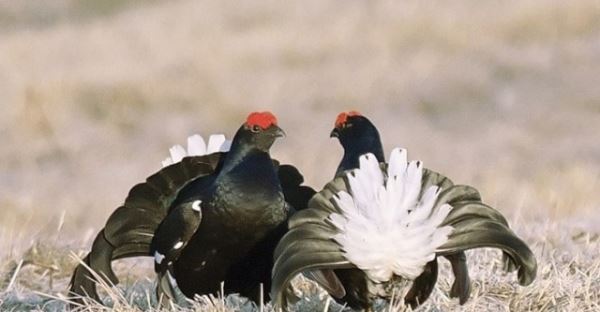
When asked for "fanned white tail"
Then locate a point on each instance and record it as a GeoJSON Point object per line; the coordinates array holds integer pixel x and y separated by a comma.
{"type": "Point", "coordinates": [385, 227]}
{"type": "Point", "coordinates": [197, 147]}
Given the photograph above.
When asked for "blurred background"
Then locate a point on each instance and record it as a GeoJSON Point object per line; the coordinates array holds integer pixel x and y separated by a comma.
{"type": "Point", "coordinates": [501, 95]}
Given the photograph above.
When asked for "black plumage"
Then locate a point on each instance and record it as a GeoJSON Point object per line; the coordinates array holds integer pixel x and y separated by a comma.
{"type": "Point", "coordinates": [310, 245]}
{"type": "Point", "coordinates": [359, 136]}
{"type": "Point", "coordinates": [206, 220]}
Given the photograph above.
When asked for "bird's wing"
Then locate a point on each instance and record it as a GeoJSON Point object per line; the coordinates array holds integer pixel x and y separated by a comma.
{"type": "Point", "coordinates": [130, 229]}
{"type": "Point", "coordinates": [312, 241]}
{"type": "Point", "coordinates": [170, 239]}
{"type": "Point", "coordinates": [174, 233]}
{"type": "Point", "coordinates": [296, 194]}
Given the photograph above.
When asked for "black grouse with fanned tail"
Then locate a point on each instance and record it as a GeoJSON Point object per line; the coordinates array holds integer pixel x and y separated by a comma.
{"type": "Point", "coordinates": [311, 246]}
{"type": "Point", "coordinates": [359, 136]}
{"type": "Point", "coordinates": [205, 219]}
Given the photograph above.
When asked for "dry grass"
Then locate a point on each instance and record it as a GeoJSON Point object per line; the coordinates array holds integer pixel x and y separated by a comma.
{"type": "Point", "coordinates": [502, 95]}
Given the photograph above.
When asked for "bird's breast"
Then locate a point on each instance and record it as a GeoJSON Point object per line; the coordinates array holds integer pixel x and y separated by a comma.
{"type": "Point", "coordinates": [243, 216]}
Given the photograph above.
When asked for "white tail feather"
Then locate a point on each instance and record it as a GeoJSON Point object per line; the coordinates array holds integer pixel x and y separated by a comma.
{"type": "Point", "coordinates": [197, 147]}
{"type": "Point", "coordinates": [385, 227]}
{"type": "Point", "coordinates": [215, 142]}
{"type": "Point", "coordinates": [177, 153]}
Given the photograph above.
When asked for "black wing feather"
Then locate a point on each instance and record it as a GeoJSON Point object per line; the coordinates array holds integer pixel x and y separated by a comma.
{"type": "Point", "coordinates": [129, 230]}
{"type": "Point", "coordinates": [178, 226]}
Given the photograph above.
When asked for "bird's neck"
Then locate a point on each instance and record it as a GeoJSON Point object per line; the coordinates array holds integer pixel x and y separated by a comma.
{"type": "Point", "coordinates": [249, 167]}
{"type": "Point", "coordinates": [249, 186]}
{"type": "Point", "coordinates": [352, 153]}
{"type": "Point", "coordinates": [238, 154]}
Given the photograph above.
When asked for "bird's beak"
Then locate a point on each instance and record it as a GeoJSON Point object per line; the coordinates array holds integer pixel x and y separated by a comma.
{"type": "Point", "coordinates": [335, 133]}
{"type": "Point", "coordinates": [279, 133]}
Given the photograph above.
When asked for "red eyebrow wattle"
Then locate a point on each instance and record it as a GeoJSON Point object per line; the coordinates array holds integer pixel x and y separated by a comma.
{"type": "Point", "coordinates": [261, 119]}
{"type": "Point", "coordinates": [343, 117]}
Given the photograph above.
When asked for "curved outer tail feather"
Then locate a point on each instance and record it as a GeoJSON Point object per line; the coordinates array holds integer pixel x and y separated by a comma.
{"type": "Point", "coordinates": [423, 285]}
{"type": "Point", "coordinates": [313, 241]}
{"type": "Point", "coordinates": [129, 230]}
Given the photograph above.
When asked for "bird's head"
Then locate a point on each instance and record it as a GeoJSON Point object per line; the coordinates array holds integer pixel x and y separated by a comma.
{"type": "Point", "coordinates": [351, 127]}
{"type": "Point", "coordinates": [260, 130]}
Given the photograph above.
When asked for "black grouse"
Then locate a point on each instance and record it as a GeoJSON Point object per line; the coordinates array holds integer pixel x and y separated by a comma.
{"type": "Point", "coordinates": [205, 219]}
{"type": "Point", "coordinates": [359, 136]}
{"type": "Point", "coordinates": [377, 228]}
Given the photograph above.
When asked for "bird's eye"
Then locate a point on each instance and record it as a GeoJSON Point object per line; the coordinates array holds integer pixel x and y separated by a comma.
{"type": "Point", "coordinates": [255, 128]}
{"type": "Point", "coordinates": [346, 125]}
